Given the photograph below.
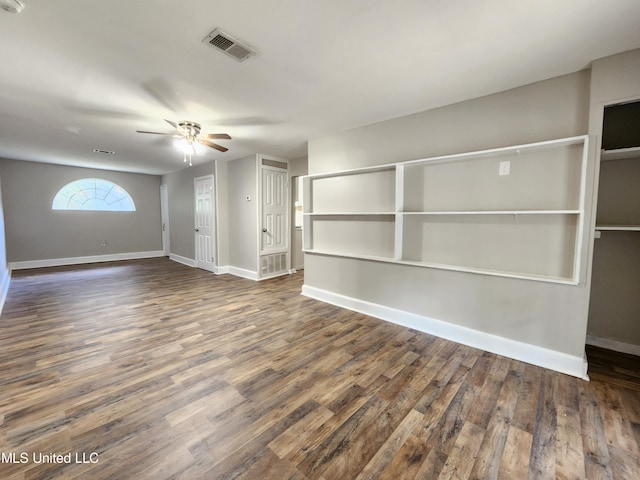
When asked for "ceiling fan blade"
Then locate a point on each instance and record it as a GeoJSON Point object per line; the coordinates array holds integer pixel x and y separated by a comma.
{"type": "Point", "coordinates": [212, 145]}
{"type": "Point", "coordinates": [160, 133]}
{"type": "Point", "coordinates": [216, 135]}
{"type": "Point", "coordinates": [173, 124]}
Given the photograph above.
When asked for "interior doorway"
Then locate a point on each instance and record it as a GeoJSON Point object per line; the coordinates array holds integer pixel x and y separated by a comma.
{"type": "Point", "coordinates": [614, 308]}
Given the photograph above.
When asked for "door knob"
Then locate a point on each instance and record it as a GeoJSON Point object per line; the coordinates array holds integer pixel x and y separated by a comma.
{"type": "Point", "coordinates": [264, 230]}
{"type": "Point", "coordinates": [197, 230]}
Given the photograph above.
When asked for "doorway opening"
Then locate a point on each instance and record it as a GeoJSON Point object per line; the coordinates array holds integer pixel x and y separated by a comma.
{"type": "Point", "coordinates": [614, 308]}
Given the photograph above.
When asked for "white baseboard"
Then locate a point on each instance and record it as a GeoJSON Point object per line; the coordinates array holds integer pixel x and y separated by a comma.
{"type": "Point", "coordinates": [5, 281]}
{"type": "Point", "coordinates": [189, 262]}
{"type": "Point", "coordinates": [615, 345]}
{"type": "Point", "coordinates": [238, 272]}
{"type": "Point", "coordinates": [241, 272]}
{"type": "Point", "coordinates": [533, 354]}
{"type": "Point", "coordinates": [57, 262]}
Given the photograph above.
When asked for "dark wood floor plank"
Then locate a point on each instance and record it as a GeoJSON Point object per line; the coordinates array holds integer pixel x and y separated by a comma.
{"type": "Point", "coordinates": [543, 450]}
{"type": "Point", "coordinates": [170, 372]}
{"type": "Point", "coordinates": [594, 444]}
{"type": "Point", "coordinates": [516, 455]}
{"type": "Point", "coordinates": [496, 430]}
{"type": "Point", "coordinates": [380, 461]}
{"type": "Point", "coordinates": [569, 454]}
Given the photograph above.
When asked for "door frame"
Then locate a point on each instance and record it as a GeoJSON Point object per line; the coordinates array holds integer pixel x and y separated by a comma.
{"type": "Point", "coordinates": [596, 127]}
{"type": "Point", "coordinates": [214, 222]}
{"type": "Point", "coordinates": [164, 218]}
{"type": "Point", "coordinates": [260, 166]}
{"type": "Point", "coordinates": [295, 188]}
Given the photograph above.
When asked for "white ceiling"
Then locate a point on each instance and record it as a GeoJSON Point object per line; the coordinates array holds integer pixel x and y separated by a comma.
{"type": "Point", "coordinates": [82, 74]}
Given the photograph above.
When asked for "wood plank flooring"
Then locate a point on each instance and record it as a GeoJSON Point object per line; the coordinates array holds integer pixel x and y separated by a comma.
{"type": "Point", "coordinates": [154, 370]}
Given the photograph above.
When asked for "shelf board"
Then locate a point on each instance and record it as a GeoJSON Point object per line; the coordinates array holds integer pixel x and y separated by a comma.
{"type": "Point", "coordinates": [348, 214]}
{"type": "Point", "coordinates": [455, 268]}
{"type": "Point", "coordinates": [577, 140]}
{"type": "Point", "coordinates": [448, 212]}
{"type": "Point", "coordinates": [374, 258]}
{"type": "Point", "coordinates": [620, 154]}
{"type": "Point", "coordinates": [497, 212]}
{"type": "Point", "coordinates": [502, 150]}
{"type": "Point", "coordinates": [619, 228]}
{"type": "Point", "coordinates": [390, 167]}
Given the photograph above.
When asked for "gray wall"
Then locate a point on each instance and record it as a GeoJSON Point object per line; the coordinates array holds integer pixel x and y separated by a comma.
{"type": "Point", "coordinates": [614, 303]}
{"type": "Point", "coordinates": [35, 232]}
{"type": "Point", "coordinates": [549, 315]}
{"type": "Point", "coordinates": [243, 213]}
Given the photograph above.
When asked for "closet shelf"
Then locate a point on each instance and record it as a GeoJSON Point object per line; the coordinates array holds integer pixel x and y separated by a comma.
{"type": "Point", "coordinates": [620, 153]}
{"type": "Point", "coordinates": [618, 228]}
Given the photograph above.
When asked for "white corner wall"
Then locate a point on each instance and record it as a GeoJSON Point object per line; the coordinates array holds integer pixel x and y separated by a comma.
{"type": "Point", "coordinates": [538, 322]}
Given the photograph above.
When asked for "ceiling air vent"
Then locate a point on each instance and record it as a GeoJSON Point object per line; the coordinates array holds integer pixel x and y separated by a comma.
{"type": "Point", "coordinates": [229, 45]}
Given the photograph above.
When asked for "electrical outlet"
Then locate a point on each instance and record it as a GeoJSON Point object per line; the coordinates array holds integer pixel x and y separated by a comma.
{"type": "Point", "coordinates": [504, 168]}
{"type": "Point", "coordinates": [103, 243]}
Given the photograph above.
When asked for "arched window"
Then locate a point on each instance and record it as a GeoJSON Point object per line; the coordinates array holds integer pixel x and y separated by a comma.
{"type": "Point", "coordinates": [93, 194]}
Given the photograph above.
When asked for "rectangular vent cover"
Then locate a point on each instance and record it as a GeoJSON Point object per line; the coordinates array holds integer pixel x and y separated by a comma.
{"type": "Point", "coordinates": [229, 45]}
{"type": "Point", "coordinates": [273, 264]}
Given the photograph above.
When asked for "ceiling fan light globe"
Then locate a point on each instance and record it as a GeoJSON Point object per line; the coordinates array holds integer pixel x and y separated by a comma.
{"type": "Point", "coordinates": [188, 148]}
{"type": "Point", "coordinates": [184, 146]}
{"type": "Point", "coordinates": [198, 148]}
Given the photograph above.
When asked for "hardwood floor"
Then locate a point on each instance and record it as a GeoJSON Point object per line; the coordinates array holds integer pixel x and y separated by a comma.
{"type": "Point", "coordinates": [154, 370]}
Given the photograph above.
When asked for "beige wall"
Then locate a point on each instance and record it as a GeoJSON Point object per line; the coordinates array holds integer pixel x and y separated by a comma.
{"type": "Point", "coordinates": [35, 232]}
{"type": "Point", "coordinates": [547, 315]}
{"type": "Point", "coordinates": [615, 308]}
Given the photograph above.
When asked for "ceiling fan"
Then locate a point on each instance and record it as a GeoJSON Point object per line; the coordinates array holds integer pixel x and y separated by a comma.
{"type": "Point", "coordinates": [189, 138]}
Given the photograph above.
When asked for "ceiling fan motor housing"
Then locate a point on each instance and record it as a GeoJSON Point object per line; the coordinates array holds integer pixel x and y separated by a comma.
{"type": "Point", "coordinates": [191, 129]}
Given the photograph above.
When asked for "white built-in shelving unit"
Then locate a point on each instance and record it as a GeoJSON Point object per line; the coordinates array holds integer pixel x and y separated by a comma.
{"type": "Point", "coordinates": [456, 212]}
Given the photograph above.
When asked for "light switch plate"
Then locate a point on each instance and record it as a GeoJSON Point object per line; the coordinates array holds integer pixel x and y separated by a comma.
{"type": "Point", "coordinates": [504, 168]}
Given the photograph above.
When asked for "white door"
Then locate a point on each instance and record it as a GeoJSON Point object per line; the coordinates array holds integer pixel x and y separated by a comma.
{"type": "Point", "coordinates": [204, 222]}
{"type": "Point", "coordinates": [274, 211]}
{"type": "Point", "coordinates": [164, 213]}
